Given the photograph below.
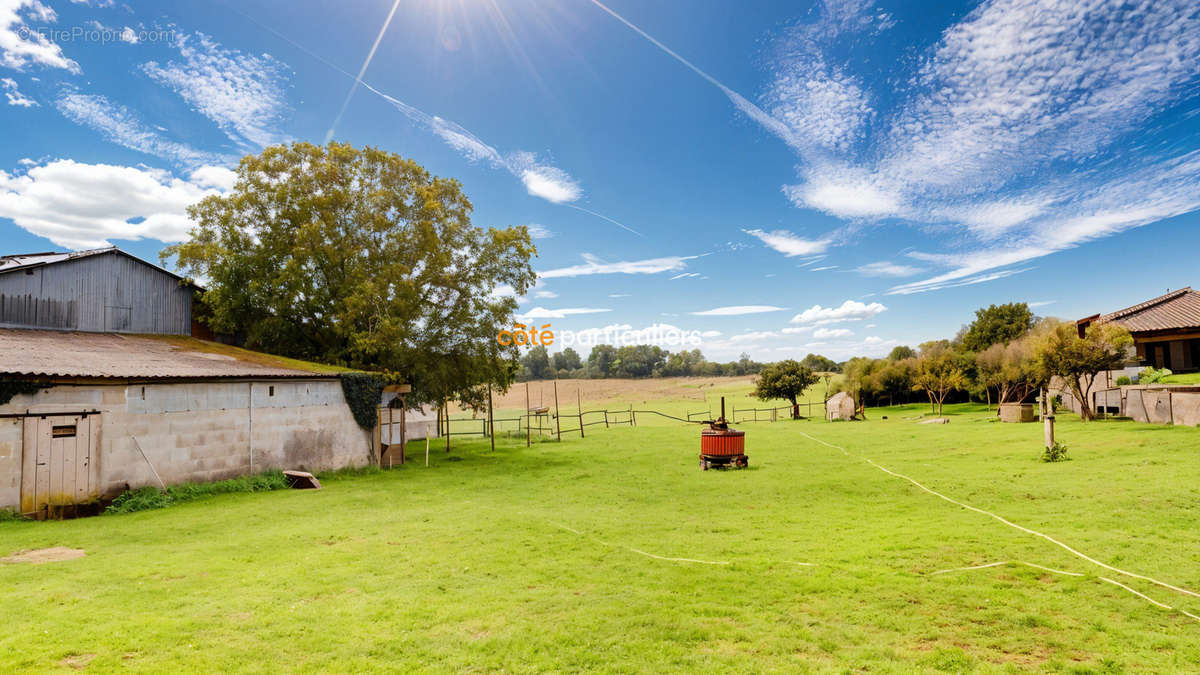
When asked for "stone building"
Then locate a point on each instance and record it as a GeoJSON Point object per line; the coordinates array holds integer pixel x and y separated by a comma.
{"type": "Point", "coordinates": [102, 387]}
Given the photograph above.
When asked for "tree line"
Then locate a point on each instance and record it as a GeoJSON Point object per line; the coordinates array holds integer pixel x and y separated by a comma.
{"type": "Point", "coordinates": [639, 361]}
{"type": "Point", "coordinates": [1006, 355]}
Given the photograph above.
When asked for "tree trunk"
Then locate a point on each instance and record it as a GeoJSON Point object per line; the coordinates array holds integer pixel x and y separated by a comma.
{"type": "Point", "coordinates": [795, 410]}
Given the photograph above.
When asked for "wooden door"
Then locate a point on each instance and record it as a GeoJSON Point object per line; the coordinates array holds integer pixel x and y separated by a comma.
{"type": "Point", "coordinates": [59, 467]}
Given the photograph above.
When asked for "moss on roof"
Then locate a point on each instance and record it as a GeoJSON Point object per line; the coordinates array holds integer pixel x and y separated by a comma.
{"type": "Point", "coordinates": [250, 356]}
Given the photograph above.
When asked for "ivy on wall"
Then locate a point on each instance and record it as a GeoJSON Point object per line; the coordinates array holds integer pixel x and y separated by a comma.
{"type": "Point", "coordinates": [362, 392]}
{"type": "Point", "coordinates": [11, 388]}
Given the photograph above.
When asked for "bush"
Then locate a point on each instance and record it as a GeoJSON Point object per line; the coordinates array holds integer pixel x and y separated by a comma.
{"type": "Point", "coordinates": [1151, 375]}
{"type": "Point", "coordinates": [1055, 453]}
{"type": "Point", "coordinates": [1124, 381]}
{"type": "Point", "coordinates": [9, 515]}
{"type": "Point", "coordinates": [150, 497]}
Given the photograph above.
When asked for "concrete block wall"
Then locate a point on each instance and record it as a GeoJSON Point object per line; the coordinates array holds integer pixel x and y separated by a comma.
{"type": "Point", "coordinates": [198, 431]}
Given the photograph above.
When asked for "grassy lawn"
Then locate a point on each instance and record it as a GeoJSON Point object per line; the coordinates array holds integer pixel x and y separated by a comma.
{"type": "Point", "coordinates": [567, 557]}
{"type": "Point", "coordinates": [1182, 378]}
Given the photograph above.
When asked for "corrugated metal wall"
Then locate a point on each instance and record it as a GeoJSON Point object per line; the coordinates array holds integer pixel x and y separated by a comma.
{"type": "Point", "coordinates": [109, 293]}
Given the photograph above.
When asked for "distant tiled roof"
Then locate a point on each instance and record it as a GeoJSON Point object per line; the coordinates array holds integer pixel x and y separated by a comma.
{"type": "Point", "coordinates": [47, 353]}
{"type": "Point", "coordinates": [1175, 310]}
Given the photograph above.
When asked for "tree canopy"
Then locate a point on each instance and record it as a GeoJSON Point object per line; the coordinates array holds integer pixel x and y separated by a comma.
{"type": "Point", "coordinates": [360, 258]}
{"type": "Point", "coordinates": [821, 364]}
{"type": "Point", "coordinates": [997, 324]}
{"type": "Point", "coordinates": [1077, 360]}
{"type": "Point", "coordinates": [784, 379]}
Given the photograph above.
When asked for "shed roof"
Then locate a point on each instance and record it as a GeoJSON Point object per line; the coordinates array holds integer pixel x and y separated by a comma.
{"type": "Point", "coordinates": [25, 261]}
{"type": "Point", "coordinates": [1178, 309]}
{"type": "Point", "coordinates": [44, 353]}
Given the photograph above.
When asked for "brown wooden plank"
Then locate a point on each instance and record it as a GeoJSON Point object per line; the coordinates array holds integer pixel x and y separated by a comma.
{"type": "Point", "coordinates": [83, 451]}
{"type": "Point", "coordinates": [69, 448]}
{"type": "Point", "coordinates": [42, 493]}
{"type": "Point", "coordinates": [57, 451]}
{"type": "Point", "coordinates": [29, 465]}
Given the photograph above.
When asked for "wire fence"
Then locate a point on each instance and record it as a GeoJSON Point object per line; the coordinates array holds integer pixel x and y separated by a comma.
{"type": "Point", "coordinates": [550, 424]}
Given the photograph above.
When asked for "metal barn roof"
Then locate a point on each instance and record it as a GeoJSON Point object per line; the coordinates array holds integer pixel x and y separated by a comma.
{"type": "Point", "coordinates": [1178, 309]}
{"type": "Point", "coordinates": [59, 354]}
{"type": "Point", "coordinates": [25, 261]}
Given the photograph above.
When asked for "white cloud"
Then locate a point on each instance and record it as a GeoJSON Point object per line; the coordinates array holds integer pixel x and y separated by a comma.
{"type": "Point", "coordinates": [21, 45]}
{"type": "Point", "coordinates": [539, 178]}
{"type": "Point", "coordinates": [824, 268]}
{"type": "Point", "coordinates": [539, 231]}
{"type": "Point", "coordinates": [214, 177]}
{"type": "Point", "coordinates": [996, 143]}
{"type": "Point", "coordinates": [543, 313]}
{"type": "Point", "coordinates": [13, 93]}
{"type": "Point", "coordinates": [685, 275]}
{"type": "Point", "coordinates": [739, 310]}
{"type": "Point", "coordinates": [619, 295]}
{"type": "Point", "coordinates": [103, 200]}
{"type": "Point", "coordinates": [542, 180]}
{"type": "Point", "coordinates": [886, 269]}
{"type": "Point", "coordinates": [1041, 303]}
{"type": "Point", "coordinates": [244, 94]}
{"type": "Point", "coordinates": [822, 104]}
{"type": "Point", "coordinates": [828, 333]}
{"type": "Point", "coordinates": [120, 125]}
{"type": "Point", "coordinates": [850, 310]}
{"type": "Point", "coordinates": [594, 265]}
{"type": "Point", "coordinates": [789, 244]}
{"type": "Point", "coordinates": [545, 294]}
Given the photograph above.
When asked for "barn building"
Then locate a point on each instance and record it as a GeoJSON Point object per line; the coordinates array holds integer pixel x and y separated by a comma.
{"type": "Point", "coordinates": [1165, 330]}
{"type": "Point", "coordinates": [103, 387]}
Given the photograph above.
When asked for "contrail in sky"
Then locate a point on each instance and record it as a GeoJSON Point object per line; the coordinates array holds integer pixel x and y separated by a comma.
{"type": "Point", "coordinates": [362, 71]}
{"type": "Point", "coordinates": [752, 111]}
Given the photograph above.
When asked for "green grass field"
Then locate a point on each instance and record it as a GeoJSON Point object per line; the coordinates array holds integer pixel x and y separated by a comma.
{"type": "Point", "coordinates": [616, 553]}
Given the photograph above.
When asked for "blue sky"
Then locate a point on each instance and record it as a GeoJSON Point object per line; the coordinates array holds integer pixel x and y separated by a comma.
{"type": "Point", "coordinates": [835, 177]}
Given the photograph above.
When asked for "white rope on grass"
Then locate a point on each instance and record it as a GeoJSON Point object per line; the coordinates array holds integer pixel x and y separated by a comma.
{"type": "Point", "coordinates": [966, 569]}
{"type": "Point", "coordinates": [639, 551]}
{"type": "Point", "coordinates": [1141, 595]}
{"type": "Point", "coordinates": [1011, 524]}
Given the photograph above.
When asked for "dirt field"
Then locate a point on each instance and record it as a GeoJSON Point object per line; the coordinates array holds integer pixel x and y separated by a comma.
{"type": "Point", "coordinates": [602, 393]}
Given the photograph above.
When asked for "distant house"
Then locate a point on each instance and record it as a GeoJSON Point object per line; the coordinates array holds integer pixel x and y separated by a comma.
{"type": "Point", "coordinates": [126, 397]}
{"type": "Point", "coordinates": [1165, 330]}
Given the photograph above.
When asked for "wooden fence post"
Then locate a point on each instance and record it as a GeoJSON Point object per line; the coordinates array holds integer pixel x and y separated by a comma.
{"type": "Point", "coordinates": [605, 419]}
{"type": "Point", "coordinates": [579, 404]}
{"type": "Point", "coordinates": [557, 417]}
{"type": "Point", "coordinates": [446, 407]}
{"type": "Point", "coordinates": [527, 421]}
{"type": "Point", "coordinates": [491, 420]}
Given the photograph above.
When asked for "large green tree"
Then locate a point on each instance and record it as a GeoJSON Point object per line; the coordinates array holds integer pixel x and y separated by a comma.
{"type": "Point", "coordinates": [938, 373]}
{"type": "Point", "coordinates": [820, 364]}
{"type": "Point", "coordinates": [601, 360]}
{"type": "Point", "coordinates": [361, 258]}
{"type": "Point", "coordinates": [784, 379]}
{"type": "Point", "coordinates": [1062, 353]}
{"type": "Point", "coordinates": [997, 324]}
{"type": "Point", "coordinates": [567, 359]}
